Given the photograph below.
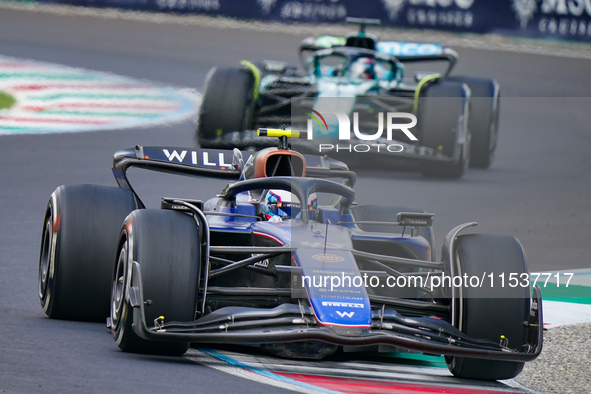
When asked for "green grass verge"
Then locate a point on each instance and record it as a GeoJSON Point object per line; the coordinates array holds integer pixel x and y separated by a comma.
{"type": "Point", "coordinates": [6, 100]}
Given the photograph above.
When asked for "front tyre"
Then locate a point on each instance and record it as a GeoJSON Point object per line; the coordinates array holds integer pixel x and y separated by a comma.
{"type": "Point", "coordinates": [443, 123]}
{"type": "Point", "coordinates": [227, 105]}
{"type": "Point", "coordinates": [484, 119]}
{"type": "Point", "coordinates": [166, 246]}
{"type": "Point", "coordinates": [491, 311]}
{"type": "Point", "coordinates": [78, 250]}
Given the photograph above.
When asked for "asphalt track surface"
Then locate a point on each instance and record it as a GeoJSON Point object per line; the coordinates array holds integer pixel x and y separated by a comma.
{"type": "Point", "coordinates": [538, 188]}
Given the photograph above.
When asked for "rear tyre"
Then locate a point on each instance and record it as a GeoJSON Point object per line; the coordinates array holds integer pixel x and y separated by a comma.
{"type": "Point", "coordinates": [442, 116]}
{"type": "Point", "coordinates": [166, 246]}
{"type": "Point", "coordinates": [227, 105]}
{"type": "Point", "coordinates": [484, 119]}
{"type": "Point", "coordinates": [481, 312]}
{"type": "Point", "coordinates": [78, 250]}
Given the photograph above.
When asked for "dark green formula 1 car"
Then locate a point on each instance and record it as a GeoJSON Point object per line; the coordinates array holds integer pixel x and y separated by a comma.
{"type": "Point", "coordinates": [456, 116]}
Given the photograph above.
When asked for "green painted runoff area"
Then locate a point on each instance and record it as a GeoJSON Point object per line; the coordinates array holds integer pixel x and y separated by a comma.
{"type": "Point", "coordinates": [6, 100]}
{"type": "Point", "coordinates": [573, 293]}
{"type": "Point", "coordinates": [419, 359]}
{"type": "Point", "coordinates": [416, 359]}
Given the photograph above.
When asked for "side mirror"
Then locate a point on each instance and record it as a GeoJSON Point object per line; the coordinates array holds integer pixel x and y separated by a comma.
{"type": "Point", "coordinates": [237, 159]}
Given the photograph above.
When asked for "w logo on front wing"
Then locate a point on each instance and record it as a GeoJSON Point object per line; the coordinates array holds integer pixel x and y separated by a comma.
{"type": "Point", "coordinates": [347, 314]}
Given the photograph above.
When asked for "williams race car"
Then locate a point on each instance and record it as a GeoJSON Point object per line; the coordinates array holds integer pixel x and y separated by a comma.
{"type": "Point", "coordinates": [284, 259]}
{"type": "Point", "coordinates": [457, 117]}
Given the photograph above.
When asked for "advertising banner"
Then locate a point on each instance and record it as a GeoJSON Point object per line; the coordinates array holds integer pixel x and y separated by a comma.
{"type": "Point", "coordinates": [558, 19]}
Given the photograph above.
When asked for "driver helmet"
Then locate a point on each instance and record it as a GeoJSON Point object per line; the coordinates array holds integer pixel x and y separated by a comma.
{"type": "Point", "coordinates": [363, 68]}
{"type": "Point", "coordinates": [280, 205]}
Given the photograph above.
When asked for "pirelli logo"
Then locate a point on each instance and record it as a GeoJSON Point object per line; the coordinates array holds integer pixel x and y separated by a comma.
{"type": "Point", "coordinates": [343, 304]}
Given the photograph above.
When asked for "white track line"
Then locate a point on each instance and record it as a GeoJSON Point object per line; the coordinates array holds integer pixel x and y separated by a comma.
{"type": "Point", "coordinates": [394, 372]}
{"type": "Point", "coordinates": [557, 313]}
{"type": "Point", "coordinates": [211, 361]}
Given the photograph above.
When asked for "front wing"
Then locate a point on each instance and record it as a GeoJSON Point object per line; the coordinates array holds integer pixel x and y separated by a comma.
{"type": "Point", "coordinates": [293, 323]}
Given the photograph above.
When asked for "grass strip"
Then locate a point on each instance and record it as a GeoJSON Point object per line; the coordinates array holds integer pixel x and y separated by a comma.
{"type": "Point", "coordinates": [6, 100]}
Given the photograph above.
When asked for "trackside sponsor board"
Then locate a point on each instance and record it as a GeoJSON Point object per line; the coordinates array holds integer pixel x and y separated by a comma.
{"type": "Point", "coordinates": [564, 19]}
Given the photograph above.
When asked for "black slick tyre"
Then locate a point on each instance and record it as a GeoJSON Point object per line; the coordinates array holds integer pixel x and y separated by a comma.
{"type": "Point", "coordinates": [484, 119]}
{"type": "Point", "coordinates": [489, 312]}
{"type": "Point", "coordinates": [166, 246]}
{"type": "Point", "coordinates": [227, 106]}
{"type": "Point", "coordinates": [443, 117]}
{"type": "Point", "coordinates": [78, 250]}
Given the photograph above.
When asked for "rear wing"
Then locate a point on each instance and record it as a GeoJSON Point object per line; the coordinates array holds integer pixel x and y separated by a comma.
{"type": "Point", "coordinates": [408, 52]}
{"type": "Point", "coordinates": [211, 163]}
{"type": "Point", "coordinates": [208, 163]}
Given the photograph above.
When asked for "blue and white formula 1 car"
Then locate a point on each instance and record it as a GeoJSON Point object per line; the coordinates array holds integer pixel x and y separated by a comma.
{"type": "Point", "coordinates": [457, 116]}
{"type": "Point", "coordinates": [282, 259]}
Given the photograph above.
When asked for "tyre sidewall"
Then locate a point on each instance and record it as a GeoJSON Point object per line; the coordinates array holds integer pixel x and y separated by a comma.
{"type": "Point", "coordinates": [85, 220]}
{"type": "Point", "coordinates": [165, 244]}
{"type": "Point", "coordinates": [484, 316]}
{"type": "Point", "coordinates": [227, 105]}
{"type": "Point", "coordinates": [484, 118]}
{"type": "Point", "coordinates": [443, 116]}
